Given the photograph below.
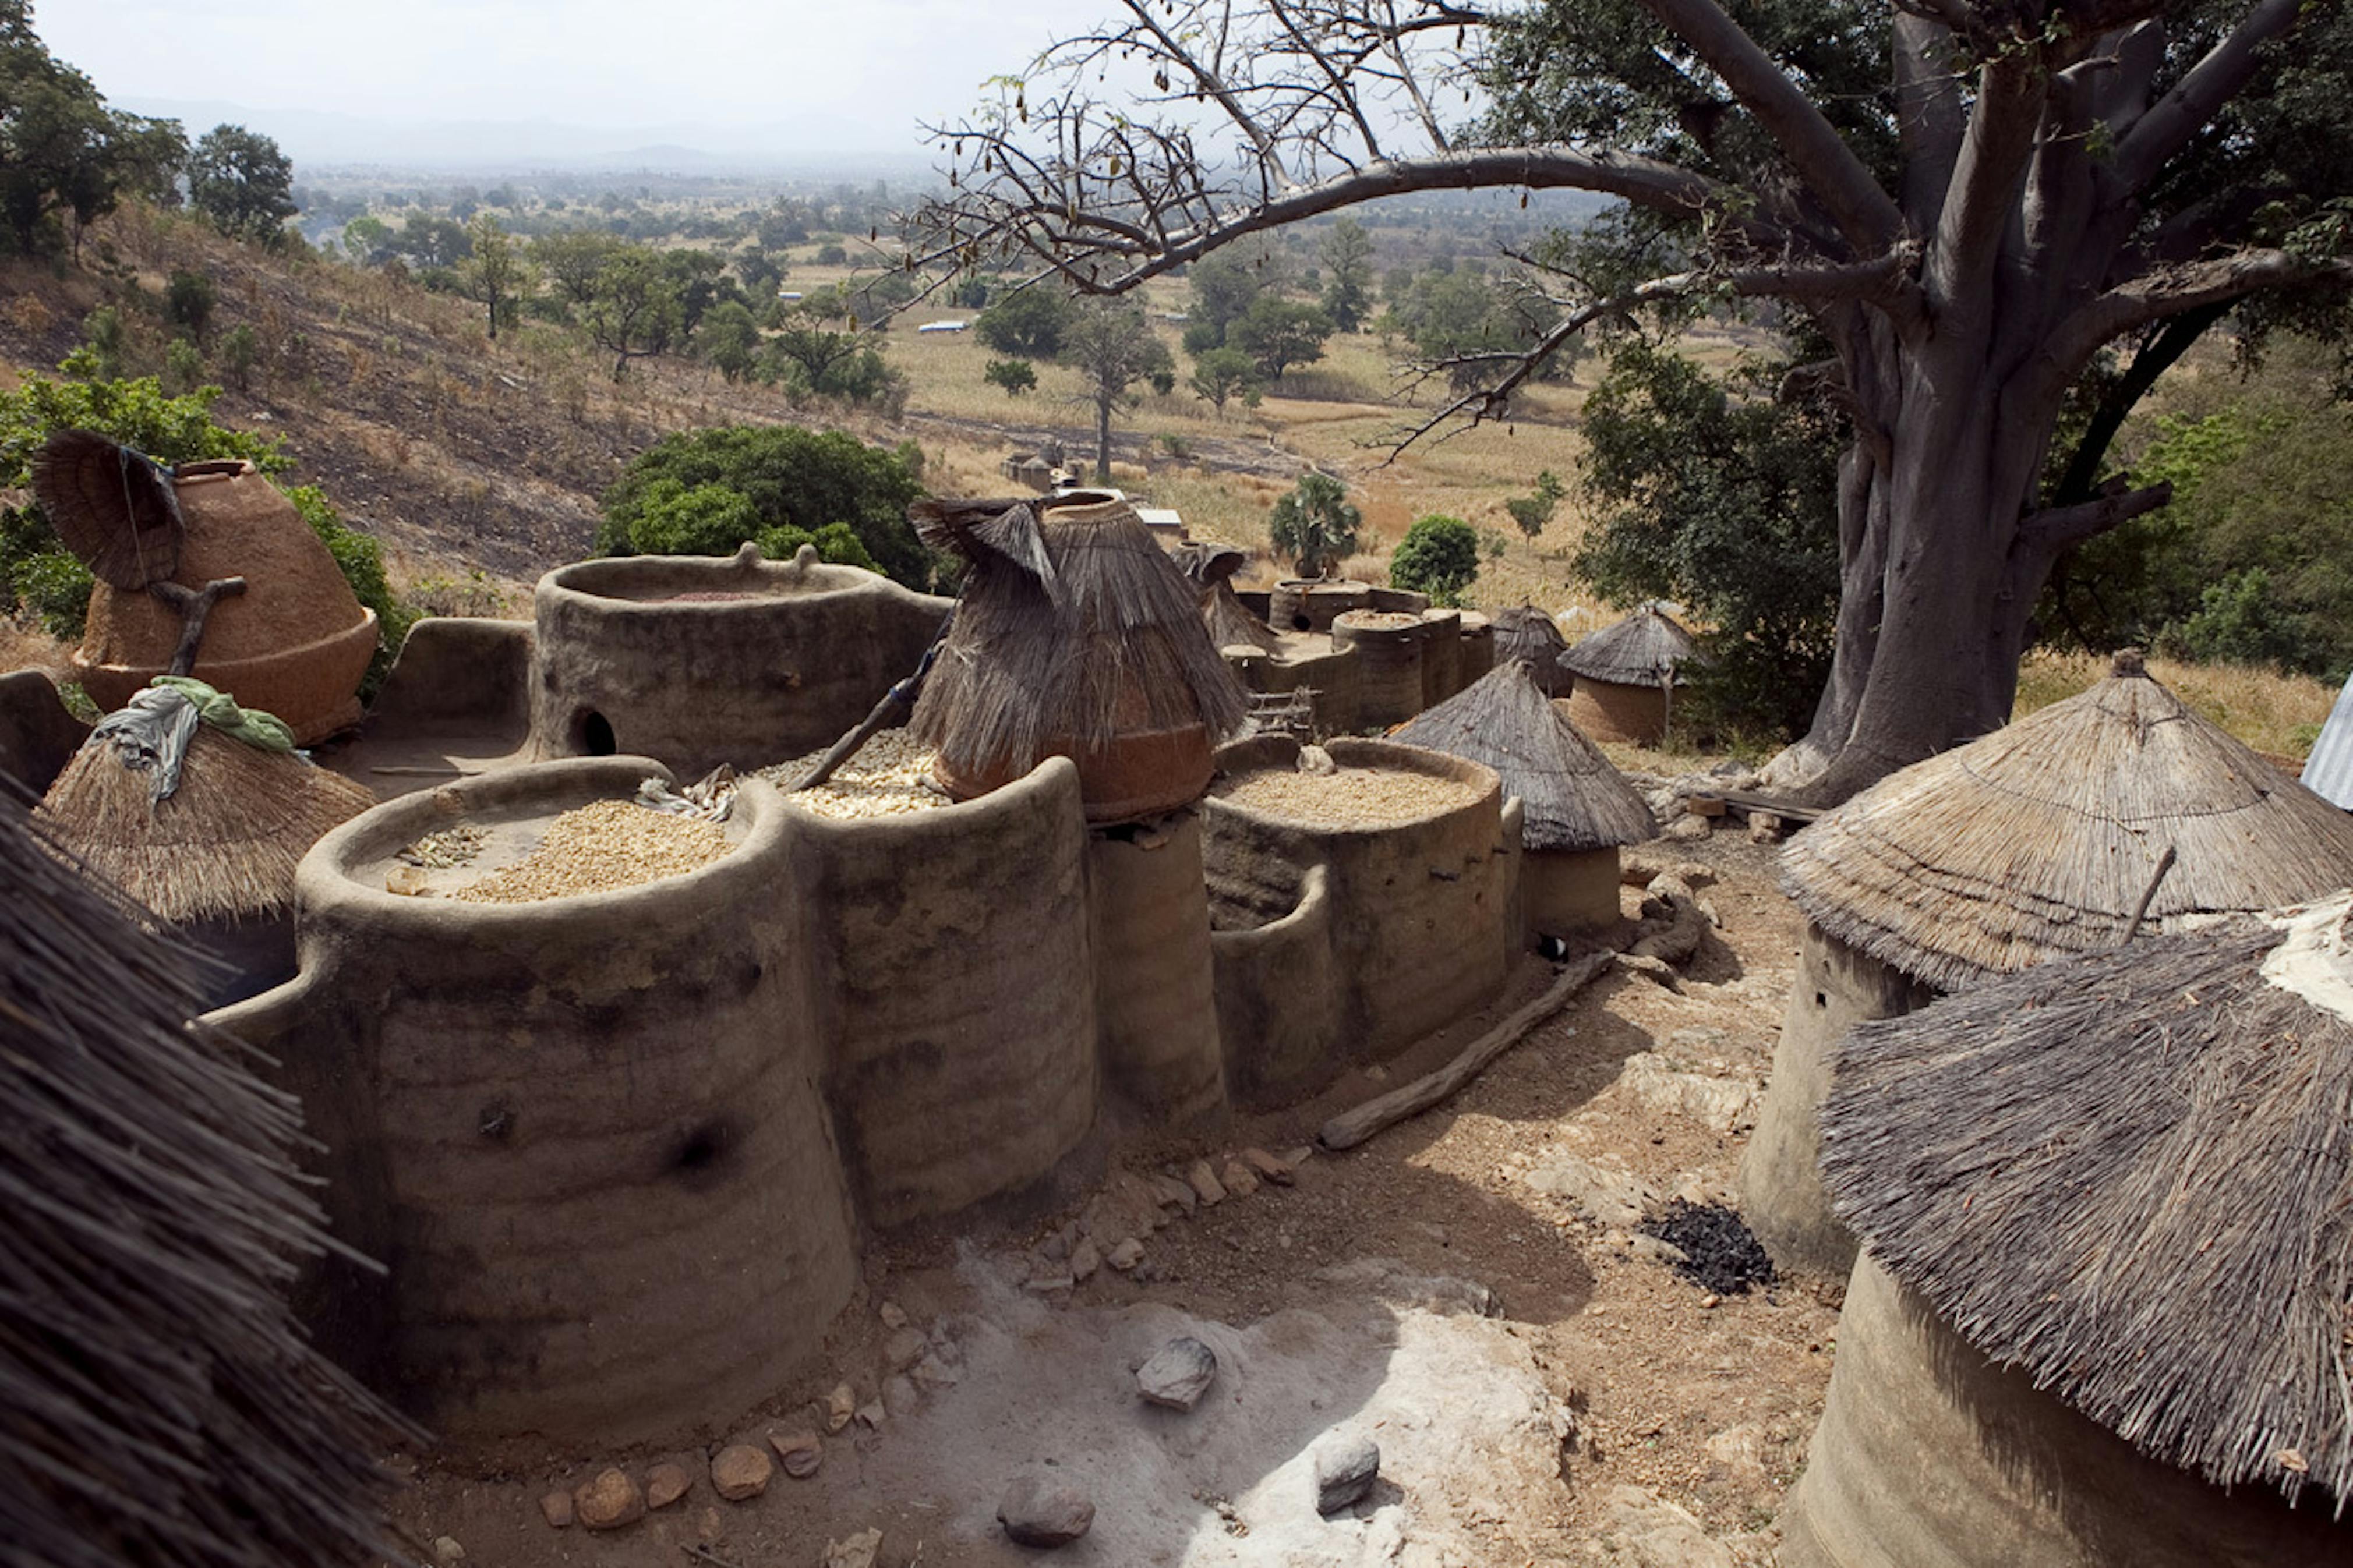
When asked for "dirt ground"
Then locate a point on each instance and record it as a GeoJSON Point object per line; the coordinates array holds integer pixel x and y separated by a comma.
{"type": "Point", "coordinates": [1543, 1388]}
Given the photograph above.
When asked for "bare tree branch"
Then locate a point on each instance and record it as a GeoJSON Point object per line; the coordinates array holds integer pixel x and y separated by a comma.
{"type": "Point", "coordinates": [2172, 290]}
{"type": "Point", "coordinates": [1979, 203]}
{"type": "Point", "coordinates": [2055, 528]}
{"type": "Point", "coordinates": [2181, 115]}
{"type": "Point", "coordinates": [1864, 212]}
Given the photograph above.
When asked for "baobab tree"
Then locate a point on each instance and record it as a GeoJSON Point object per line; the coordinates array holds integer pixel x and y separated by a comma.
{"type": "Point", "coordinates": [1995, 212]}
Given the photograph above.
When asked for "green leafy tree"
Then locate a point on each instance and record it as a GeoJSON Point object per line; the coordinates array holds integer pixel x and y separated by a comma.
{"type": "Point", "coordinates": [496, 274]}
{"type": "Point", "coordinates": [1315, 525]}
{"type": "Point", "coordinates": [708, 490]}
{"type": "Point", "coordinates": [1726, 503]}
{"type": "Point", "coordinates": [1280, 333]}
{"type": "Point", "coordinates": [1531, 512]}
{"type": "Point", "coordinates": [241, 181]}
{"type": "Point", "coordinates": [572, 259]}
{"type": "Point", "coordinates": [1968, 204]}
{"type": "Point", "coordinates": [1222, 374]}
{"type": "Point", "coordinates": [1028, 324]}
{"type": "Point", "coordinates": [1225, 285]}
{"type": "Point", "coordinates": [64, 154]}
{"type": "Point", "coordinates": [240, 351]}
{"type": "Point", "coordinates": [188, 301]}
{"type": "Point", "coordinates": [1438, 556]}
{"type": "Point", "coordinates": [1347, 252]}
{"type": "Point", "coordinates": [634, 312]}
{"type": "Point", "coordinates": [183, 367]}
{"type": "Point", "coordinates": [1114, 348]}
{"type": "Point", "coordinates": [1015, 375]}
{"type": "Point", "coordinates": [729, 341]}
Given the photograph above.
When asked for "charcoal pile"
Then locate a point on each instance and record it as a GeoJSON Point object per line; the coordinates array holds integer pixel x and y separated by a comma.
{"type": "Point", "coordinates": [1718, 1254]}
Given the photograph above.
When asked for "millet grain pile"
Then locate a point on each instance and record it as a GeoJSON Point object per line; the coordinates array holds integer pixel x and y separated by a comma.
{"type": "Point", "coordinates": [890, 775]}
{"type": "Point", "coordinates": [601, 849]}
{"type": "Point", "coordinates": [1346, 798]}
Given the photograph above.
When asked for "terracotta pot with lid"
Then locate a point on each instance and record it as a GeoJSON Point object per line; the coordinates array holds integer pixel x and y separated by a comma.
{"type": "Point", "coordinates": [295, 643]}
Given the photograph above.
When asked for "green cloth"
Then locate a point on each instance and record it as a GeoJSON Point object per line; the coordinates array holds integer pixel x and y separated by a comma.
{"type": "Point", "coordinates": [265, 732]}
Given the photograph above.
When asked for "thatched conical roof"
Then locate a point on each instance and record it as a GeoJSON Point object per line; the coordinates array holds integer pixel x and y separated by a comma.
{"type": "Point", "coordinates": [1643, 649]}
{"type": "Point", "coordinates": [1523, 631]}
{"type": "Point", "coordinates": [1209, 566]}
{"type": "Point", "coordinates": [2040, 840]}
{"type": "Point", "coordinates": [2130, 1174]}
{"type": "Point", "coordinates": [1574, 797]}
{"type": "Point", "coordinates": [1073, 627]}
{"type": "Point", "coordinates": [114, 508]}
{"type": "Point", "coordinates": [223, 846]}
{"type": "Point", "coordinates": [158, 1404]}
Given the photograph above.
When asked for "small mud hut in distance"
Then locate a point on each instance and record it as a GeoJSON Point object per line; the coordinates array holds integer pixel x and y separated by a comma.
{"type": "Point", "coordinates": [2100, 1315]}
{"type": "Point", "coordinates": [162, 1407]}
{"type": "Point", "coordinates": [1578, 809]}
{"type": "Point", "coordinates": [1075, 636]}
{"type": "Point", "coordinates": [1523, 631]}
{"type": "Point", "coordinates": [1626, 676]}
{"type": "Point", "coordinates": [2038, 841]}
{"type": "Point", "coordinates": [207, 838]}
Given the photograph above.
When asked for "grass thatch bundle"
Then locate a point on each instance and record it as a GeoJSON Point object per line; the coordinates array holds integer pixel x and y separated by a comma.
{"type": "Point", "coordinates": [2130, 1174]}
{"type": "Point", "coordinates": [1523, 631]}
{"type": "Point", "coordinates": [113, 508]}
{"type": "Point", "coordinates": [2040, 839]}
{"type": "Point", "coordinates": [158, 1406]}
{"type": "Point", "coordinates": [1073, 627]}
{"type": "Point", "coordinates": [1644, 650]}
{"type": "Point", "coordinates": [223, 846]}
{"type": "Point", "coordinates": [1211, 566]}
{"type": "Point", "coordinates": [1574, 797]}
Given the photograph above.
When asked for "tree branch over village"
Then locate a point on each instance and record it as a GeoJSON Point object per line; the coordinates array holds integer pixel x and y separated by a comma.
{"type": "Point", "coordinates": [1969, 201]}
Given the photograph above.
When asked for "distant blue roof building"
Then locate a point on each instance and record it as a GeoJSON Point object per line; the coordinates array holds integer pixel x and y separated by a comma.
{"type": "Point", "coordinates": [2328, 771]}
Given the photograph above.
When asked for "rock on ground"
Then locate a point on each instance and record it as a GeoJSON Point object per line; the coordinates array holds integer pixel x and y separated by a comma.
{"type": "Point", "coordinates": [665, 1483]}
{"type": "Point", "coordinates": [1347, 1465]}
{"type": "Point", "coordinates": [1605, 1196]}
{"type": "Point", "coordinates": [798, 1453]}
{"type": "Point", "coordinates": [741, 1472]}
{"type": "Point", "coordinates": [1179, 1374]}
{"type": "Point", "coordinates": [858, 1551]}
{"type": "Point", "coordinates": [609, 1500]}
{"type": "Point", "coordinates": [1719, 1104]}
{"type": "Point", "coordinates": [1640, 1530]}
{"type": "Point", "coordinates": [557, 1508]}
{"type": "Point", "coordinates": [1045, 1511]}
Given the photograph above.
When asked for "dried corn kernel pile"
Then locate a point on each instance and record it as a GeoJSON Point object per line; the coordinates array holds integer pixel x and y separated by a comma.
{"type": "Point", "coordinates": [890, 775]}
{"type": "Point", "coordinates": [600, 849]}
{"type": "Point", "coordinates": [1346, 798]}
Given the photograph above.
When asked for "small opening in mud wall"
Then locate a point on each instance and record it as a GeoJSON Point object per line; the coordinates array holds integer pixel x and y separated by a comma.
{"type": "Point", "coordinates": [1299, 623]}
{"type": "Point", "coordinates": [597, 735]}
{"type": "Point", "coordinates": [698, 1157]}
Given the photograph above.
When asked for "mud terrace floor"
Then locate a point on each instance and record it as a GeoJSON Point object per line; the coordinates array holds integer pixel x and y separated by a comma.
{"type": "Point", "coordinates": [1466, 1291]}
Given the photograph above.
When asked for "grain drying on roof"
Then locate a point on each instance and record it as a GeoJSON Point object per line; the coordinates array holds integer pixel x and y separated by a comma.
{"type": "Point", "coordinates": [450, 847]}
{"type": "Point", "coordinates": [1346, 798]}
{"type": "Point", "coordinates": [602, 849]}
{"type": "Point", "coordinates": [1379, 618]}
{"type": "Point", "coordinates": [891, 775]}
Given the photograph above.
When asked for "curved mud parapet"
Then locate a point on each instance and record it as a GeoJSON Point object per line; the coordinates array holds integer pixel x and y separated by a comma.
{"type": "Point", "coordinates": [1275, 1002]}
{"type": "Point", "coordinates": [1156, 998]}
{"type": "Point", "coordinates": [1781, 1192]}
{"type": "Point", "coordinates": [699, 660]}
{"type": "Point", "coordinates": [1425, 913]}
{"type": "Point", "coordinates": [1332, 676]}
{"type": "Point", "coordinates": [458, 675]}
{"type": "Point", "coordinates": [1389, 681]}
{"type": "Point", "coordinates": [957, 978]}
{"type": "Point", "coordinates": [38, 735]}
{"type": "Point", "coordinates": [1442, 656]}
{"type": "Point", "coordinates": [1928, 1456]}
{"type": "Point", "coordinates": [583, 1135]}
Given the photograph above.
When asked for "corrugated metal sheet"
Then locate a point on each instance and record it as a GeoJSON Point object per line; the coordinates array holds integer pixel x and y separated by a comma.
{"type": "Point", "coordinates": [2328, 771]}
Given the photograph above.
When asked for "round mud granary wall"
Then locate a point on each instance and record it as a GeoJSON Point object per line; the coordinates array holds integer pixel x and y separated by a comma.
{"type": "Point", "coordinates": [1423, 913]}
{"type": "Point", "coordinates": [583, 1134]}
{"type": "Point", "coordinates": [1389, 681]}
{"type": "Point", "coordinates": [699, 660]}
{"type": "Point", "coordinates": [1781, 1194]}
{"type": "Point", "coordinates": [1606, 710]}
{"type": "Point", "coordinates": [954, 958]}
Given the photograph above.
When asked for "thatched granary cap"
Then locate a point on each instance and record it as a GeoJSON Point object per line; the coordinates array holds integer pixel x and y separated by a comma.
{"type": "Point", "coordinates": [1644, 650]}
{"type": "Point", "coordinates": [2130, 1175]}
{"type": "Point", "coordinates": [158, 1402]}
{"type": "Point", "coordinates": [1574, 797]}
{"type": "Point", "coordinates": [2040, 840]}
{"type": "Point", "coordinates": [1523, 631]}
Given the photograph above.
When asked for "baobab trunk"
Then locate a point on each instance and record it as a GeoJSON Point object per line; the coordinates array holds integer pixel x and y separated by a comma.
{"type": "Point", "coordinates": [1938, 584]}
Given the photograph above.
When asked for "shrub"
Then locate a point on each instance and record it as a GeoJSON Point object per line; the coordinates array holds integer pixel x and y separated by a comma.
{"type": "Point", "coordinates": [1314, 524]}
{"type": "Point", "coordinates": [1438, 556]}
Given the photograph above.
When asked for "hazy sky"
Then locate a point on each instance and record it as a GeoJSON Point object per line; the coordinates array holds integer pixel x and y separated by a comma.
{"type": "Point", "coordinates": [863, 70]}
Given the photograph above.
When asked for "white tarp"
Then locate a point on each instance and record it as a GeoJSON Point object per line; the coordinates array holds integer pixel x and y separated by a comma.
{"type": "Point", "coordinates": [2328, 771]}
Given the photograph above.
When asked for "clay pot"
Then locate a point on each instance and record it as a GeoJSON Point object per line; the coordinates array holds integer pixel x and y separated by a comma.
{"type": "Point", "coordinates": [295, 643]}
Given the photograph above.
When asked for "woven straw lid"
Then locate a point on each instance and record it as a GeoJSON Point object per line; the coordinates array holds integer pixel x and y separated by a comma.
{"type": "Point", "coordinates": [2040, 839]}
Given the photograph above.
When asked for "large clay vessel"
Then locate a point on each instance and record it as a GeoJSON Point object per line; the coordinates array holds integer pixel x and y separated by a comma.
{"type": "Point", "coordinates": [295, 643]}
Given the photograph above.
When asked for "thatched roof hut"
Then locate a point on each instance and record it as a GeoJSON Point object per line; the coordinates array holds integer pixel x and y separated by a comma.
{"type": "Point", "coordinates": [2106, 1205]}
{"type": "Point", "coordinates": [1578, 809]}
{"type": "Point", "coordinates": [1625, 675]}
{"type": "Point", "coordinates": [1523, 631]}
{"type": "Point", "coordinates": [2040, 840]}
{"type": "Point", "coordinates": [1076, 635]}
{"type": "Point", "coordinates": [160, 1405]}
{"type": "Point", "coordinates": [2037, 841]}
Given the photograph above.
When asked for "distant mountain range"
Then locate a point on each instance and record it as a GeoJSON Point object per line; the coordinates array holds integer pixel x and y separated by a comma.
{"type": "Point", "coordinates": [317, 142]}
